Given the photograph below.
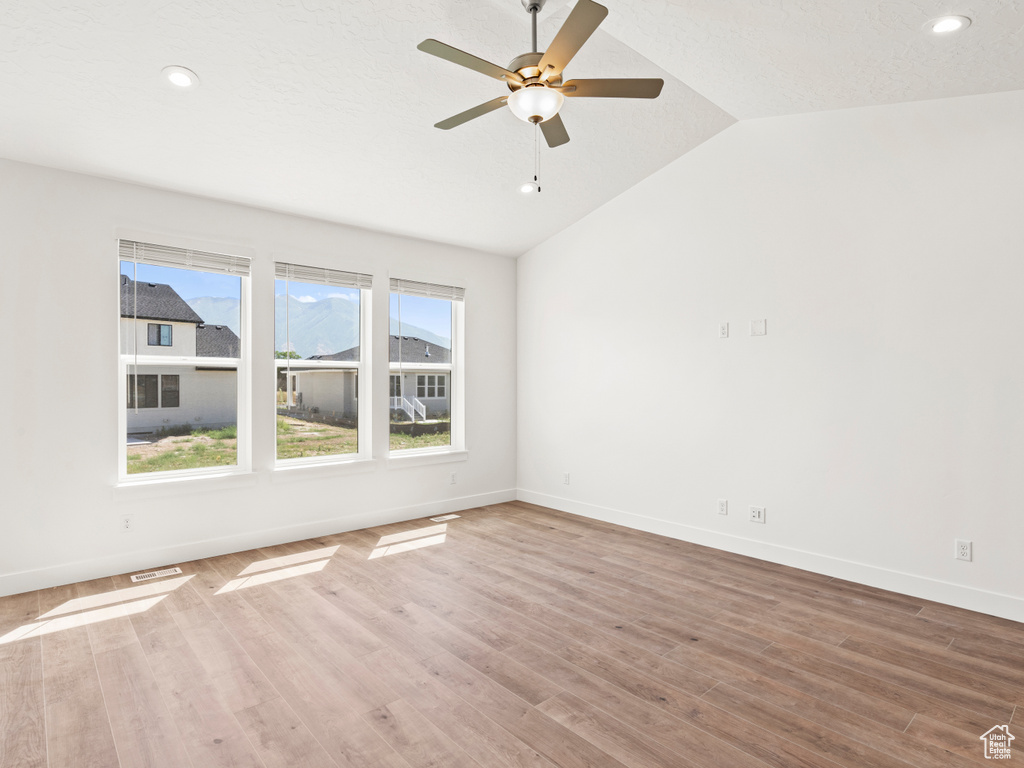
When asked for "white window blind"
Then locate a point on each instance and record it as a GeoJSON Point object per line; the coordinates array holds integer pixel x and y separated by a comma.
{"type": "Point", "coordinates": [297, 273]}
{"type": "Point", "coordinates": [427, 290]}
{"type": "Point", "coordinates": [168, 256]}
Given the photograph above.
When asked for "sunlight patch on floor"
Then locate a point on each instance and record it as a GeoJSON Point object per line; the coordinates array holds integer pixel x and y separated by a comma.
{"type": "Point", "coordinates": [268, 577]}
{"type": "Point", "coordinates": [117, 596]}
{"type": "Point", "coordinates": [419, 533]}
{"type": "Point", "coordinates": [48, 627]}
{"type": "Point", "coordinates": [408, 546]}
{"type": "Point", "coordinates": [285, 560]}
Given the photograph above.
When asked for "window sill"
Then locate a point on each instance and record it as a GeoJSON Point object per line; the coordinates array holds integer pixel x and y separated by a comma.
{"type": "Point", "coordinates": [151, 486]}
{"type": "Point", "coordinates": [422, 458]}
{"type": "Point", "coordinates": [290, 470]}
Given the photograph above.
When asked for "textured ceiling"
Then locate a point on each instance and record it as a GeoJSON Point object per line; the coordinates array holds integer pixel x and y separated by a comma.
{"type": "Point", "coordinates": [760, 58]}
{"type": "Point", "coordinates": [325, 108]}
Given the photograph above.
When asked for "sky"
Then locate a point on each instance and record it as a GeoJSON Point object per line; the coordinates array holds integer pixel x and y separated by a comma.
{"type": "Point", "coordinates": [434, 315]}
{"type": "Point", "coordinates": [311, 292]}
{"type": "Point", "coordinates": [187, 283]}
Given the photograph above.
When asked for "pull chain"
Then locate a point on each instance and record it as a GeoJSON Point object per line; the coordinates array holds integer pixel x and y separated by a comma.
{"type": "Point", "coordinates": [536, 154]}
{"type": "Point", "coordinates": [534, 186]}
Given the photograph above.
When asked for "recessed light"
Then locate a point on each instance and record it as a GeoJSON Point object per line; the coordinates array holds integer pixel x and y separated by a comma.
{"type": "Point", "coordinates": [180, 77]}
{"type": "Point", "coordinates": [946, 24]}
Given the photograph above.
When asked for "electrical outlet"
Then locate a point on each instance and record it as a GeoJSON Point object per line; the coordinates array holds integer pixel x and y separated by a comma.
{"type": "Point", "coordinates": [964, 550]}
{"type": "Point", "coordinates": [565, 478]}
{"type": "Point", "coordinates": [723, 330]}
{"type": "Point", "coordinates": [757, 515]}
{"type": "Point", "coordinates": [758, 327]}
{"type": "Point", "coordinates": [453, 479]}
{"type": "Point", "coordinates": [127, 523]}
{"type": "Point", "coordinates": [723, 506]}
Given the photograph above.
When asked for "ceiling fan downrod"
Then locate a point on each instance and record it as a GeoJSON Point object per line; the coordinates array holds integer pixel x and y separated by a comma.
{"type": "Point", "coordinates": [533, 7]}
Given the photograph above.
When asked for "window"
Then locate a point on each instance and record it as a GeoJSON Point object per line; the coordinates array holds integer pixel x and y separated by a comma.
{"type": "Point", "coordinates": [320, 324]}
{"type": "Point", "coordinates": [424, 344]}
{"type": "Point", "coordinates": [430, 385]}
{"type": "Point", "coordinates": [159, 335]}
{"type": "Point", "coordinates": [182, 360]}
{"type": "Point", "coordinates": [169, 390]}
{"type": "Point", "coordinates": [143, 390]}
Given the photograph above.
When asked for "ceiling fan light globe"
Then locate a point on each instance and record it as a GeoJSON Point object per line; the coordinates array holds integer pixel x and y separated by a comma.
{"type": "Point", "coordinates": [535, 103]}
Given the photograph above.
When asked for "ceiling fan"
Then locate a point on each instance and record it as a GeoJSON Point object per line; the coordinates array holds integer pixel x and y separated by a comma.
{"type": "Point", "coordinates": [535, 78]}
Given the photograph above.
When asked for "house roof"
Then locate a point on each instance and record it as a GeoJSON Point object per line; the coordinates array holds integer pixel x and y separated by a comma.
{"type": "Point", "coordinates": [403, 349]}
{"type": "Point", "coordinates": [154, 301]}
{"type": "Point", "coordinates": [216, 341]}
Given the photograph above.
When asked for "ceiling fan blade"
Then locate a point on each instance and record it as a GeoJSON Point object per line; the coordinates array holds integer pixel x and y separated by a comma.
{"type": "Point", "coordinates": [469, 114]}
{"type": "Point", "coordinates": [582, 21]}
{"type": "Point", "coordinates": [620, 88]}
{"type": "Point", "coordinates": [468, 60]}
{"type": "Point", "coordinates": [554, 131]}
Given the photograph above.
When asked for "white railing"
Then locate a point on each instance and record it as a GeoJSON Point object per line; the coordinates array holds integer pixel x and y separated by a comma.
{"type": "Point", "coordinates": [411, 408]}
{"type": "Point", "coordinates": [401, 404]}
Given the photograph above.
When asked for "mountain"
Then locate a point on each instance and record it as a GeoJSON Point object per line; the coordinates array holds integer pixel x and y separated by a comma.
{"type": "Point", "coordinates": [217, 311]}
{"type": "Point", "coordinates": [315, 327]}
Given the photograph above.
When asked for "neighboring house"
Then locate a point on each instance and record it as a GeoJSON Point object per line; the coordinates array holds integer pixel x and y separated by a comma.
{"type": "Point", "coordinates": [420, 381]}
{"type": "Point", "coordinates": [328, 391]}
{"type": "Point", "coordinates": [420, 385]}
{"type": "Point", "coordinates": [156, 321]}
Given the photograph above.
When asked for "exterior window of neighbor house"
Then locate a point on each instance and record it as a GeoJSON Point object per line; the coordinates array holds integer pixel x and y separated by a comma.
{"type": "Point", "coordinates": [149, 395]}
{"type": "Point", "coordinates": [143, 390]}
{"type": "Point", "coordinates": [182, 362]}
{"type": "Point", "coordinates": [430, 385]}
{"type": "Point", "coordinates": [320, 324]}
{"type": "Point", "coordinates": [426, 371]}
{"type": "Point", "coordinates": [160, 335]}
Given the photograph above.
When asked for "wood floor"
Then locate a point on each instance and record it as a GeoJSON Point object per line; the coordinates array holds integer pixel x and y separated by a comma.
{"type": "Point", "coordinates": [512, 636]}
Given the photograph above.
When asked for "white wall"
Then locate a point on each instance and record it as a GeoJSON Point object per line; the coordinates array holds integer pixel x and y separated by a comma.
{"type": "Point", "coordinates": [60, 509]}
{"type": "Point", "coordinates": [882, 416]}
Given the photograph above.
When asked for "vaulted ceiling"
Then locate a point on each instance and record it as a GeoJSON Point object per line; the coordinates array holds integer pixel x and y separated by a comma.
{"type": "Point", "coordinates": [325, 108]}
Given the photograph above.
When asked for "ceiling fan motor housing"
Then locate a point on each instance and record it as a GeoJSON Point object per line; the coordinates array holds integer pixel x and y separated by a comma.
{"type": "Point", "coordinates": [525, 65]}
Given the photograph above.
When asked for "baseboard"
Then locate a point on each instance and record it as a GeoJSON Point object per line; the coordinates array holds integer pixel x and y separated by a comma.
{"type": "Point", "coordinates": [129, 562]}
{"type": "Point", "coordinates": [992, 603]}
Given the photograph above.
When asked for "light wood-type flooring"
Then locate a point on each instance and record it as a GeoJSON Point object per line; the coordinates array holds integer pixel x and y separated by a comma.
{"type": "Point", "coordinates": [513, 636]}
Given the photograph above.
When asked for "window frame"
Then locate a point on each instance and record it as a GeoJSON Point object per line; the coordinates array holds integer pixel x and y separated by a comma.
{"type": "Point", "coordinates": [362, 369]}
{"type": "Point", "coordinates": [133, 389]}
{"type": "Point", "coordinates": [164, 390]}
{"type": "Point", "coordinates": [159, 390]}
{"type": "Point", "coordinates": [159, 334]}
{"type": "Point", "coordinates": [455, 371]}
{"type": "Point", "coordinates": [242, 365]}
{"type": "Point", "coordinates": [432, 383]}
